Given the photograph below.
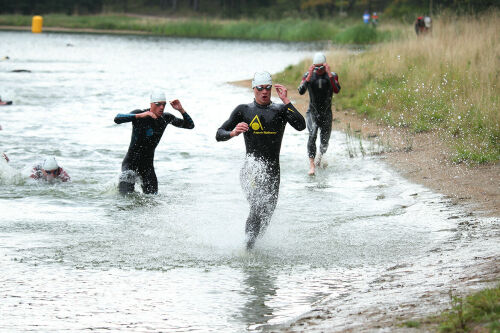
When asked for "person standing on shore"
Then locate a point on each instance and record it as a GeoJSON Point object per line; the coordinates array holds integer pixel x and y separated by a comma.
{"type": "Point", "coordinates": [148, 126]}
{"type": "Point", "coordinates": [263, 125]}
{"type": "Point", "coordinates": [366, 17]}
{"type": "Point", "coordinates": [321, 83]}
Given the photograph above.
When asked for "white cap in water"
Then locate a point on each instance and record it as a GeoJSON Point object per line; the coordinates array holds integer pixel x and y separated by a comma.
{"type": "Point", "coordinates": [50, 163]}
{"type": "Point", "coordinates": [261, 78]}
{"type": "Point", "coordinates": [319, 58]}
{"type": "Point", "coordinates": [157, 96]}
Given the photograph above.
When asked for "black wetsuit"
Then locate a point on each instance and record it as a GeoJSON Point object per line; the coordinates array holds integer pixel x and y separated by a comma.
{"type": "Point", "coordinates": [319, 114]}
{"type": "Point", "coordinates": [146, 134]}
{"type": "Point", "coordinates": [260, 175]}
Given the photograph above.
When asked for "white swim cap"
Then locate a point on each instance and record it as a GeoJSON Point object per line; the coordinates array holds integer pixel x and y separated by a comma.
{"type": "Point", "coordinates": [157, 96]}
{"type": "Point", "coordinates": [319, 58]}
{"type": "Point", "coordinates": [50, 164]}
{"type": "Point", "coordinates": [261, 78]}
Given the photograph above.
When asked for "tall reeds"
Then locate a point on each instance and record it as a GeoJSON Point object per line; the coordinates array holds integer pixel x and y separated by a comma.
{"type": "Point", "coordinates": [448, 80]}
{"type": "Point", "coordinates": [341, 31]}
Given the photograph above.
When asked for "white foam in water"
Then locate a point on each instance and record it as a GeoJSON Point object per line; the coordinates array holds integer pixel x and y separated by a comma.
{"type": "Point", "coordinates": [79, 256]}
{"type": "Point", "coordinates": [9, 175]}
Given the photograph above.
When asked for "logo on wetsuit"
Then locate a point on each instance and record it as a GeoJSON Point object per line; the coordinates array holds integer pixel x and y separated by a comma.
{"type": "Point", "coordinates": [257, 127]}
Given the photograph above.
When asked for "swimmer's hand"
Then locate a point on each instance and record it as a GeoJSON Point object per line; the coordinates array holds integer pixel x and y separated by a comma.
{"type": "Point", "coordinates": [282, 93]}
{"type": "Point", "coordinates": [328, 70]}
{"type": "Point", "coordinates": [310, 70]}
{"type": "Point", "coordinates": [146, 114]}
{"type": "Point", "coordinates": [240, 128]}
{"type": "Point", "coordinates": [176, 104]}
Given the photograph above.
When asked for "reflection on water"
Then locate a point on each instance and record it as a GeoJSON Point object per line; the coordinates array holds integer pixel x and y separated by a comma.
{"type": "Point", "coordinates": [79, 256]}
{"type": "Point", "coordinates": [258, 290]}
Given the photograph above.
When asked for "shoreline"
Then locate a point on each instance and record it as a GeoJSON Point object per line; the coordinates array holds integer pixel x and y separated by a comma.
{"type": "Point", "coordinates": [423, 159]}
{"type": "Point", "coordinates": [76, 30]}
{"type": "Point", "coordinates": [282, 29]}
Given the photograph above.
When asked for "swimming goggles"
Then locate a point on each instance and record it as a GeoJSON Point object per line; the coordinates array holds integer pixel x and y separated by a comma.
{"type": "Point", "coordinates": [260, 88]}
{"type": "Point", "coordinates": [158, 104]}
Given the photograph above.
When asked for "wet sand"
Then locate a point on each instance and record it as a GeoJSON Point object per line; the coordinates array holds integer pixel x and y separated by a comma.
{"type": "Point", "coordinates": [424, 159]}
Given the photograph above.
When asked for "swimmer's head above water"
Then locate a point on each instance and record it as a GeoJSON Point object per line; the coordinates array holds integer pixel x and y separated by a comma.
{"type": "Point", "coordinates": [158, 102]}
{"type": "Point", "coordinates": [262, 83]}
{"type": "Point", "coordinates": [50, 168]}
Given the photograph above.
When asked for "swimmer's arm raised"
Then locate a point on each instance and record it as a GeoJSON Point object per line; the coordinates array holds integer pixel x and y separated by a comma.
{"type": "Point", "coordinates": [294, 117]}
{"type": "Point", "coordinates": [186, 122]}
{"type": "Point", "coordinates": [64, 176]}
{"type": "Point", "coordinates": [304, 83]}
{"type": "Point", "coordinates": [128, 117]}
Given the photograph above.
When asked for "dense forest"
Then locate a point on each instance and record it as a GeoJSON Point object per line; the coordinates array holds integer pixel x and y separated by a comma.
{"type": "Point", "coordinates": [270, 9]}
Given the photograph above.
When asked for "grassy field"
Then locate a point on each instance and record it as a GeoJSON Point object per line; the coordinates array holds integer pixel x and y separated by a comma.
{"type": "Point", "coordinates": [479, 312]}
{"type": "Point", "coordinates": [344, 31]}
{"type": "Point", "coordinates": [448, 82]}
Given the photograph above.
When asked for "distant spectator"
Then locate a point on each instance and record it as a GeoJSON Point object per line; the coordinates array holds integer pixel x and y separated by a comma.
{"type": "Point", "coordinates": [419, 25]}
{"type": "Point", "coordinates": [428, 24]}
{"type": "Point", "coordinates": [374, 19]}
{"type": "Point", "coordinates": [366, 17]}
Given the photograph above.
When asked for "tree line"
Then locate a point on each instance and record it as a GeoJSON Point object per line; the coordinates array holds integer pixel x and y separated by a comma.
{"type": "Point", "coordinates": [233, 9]}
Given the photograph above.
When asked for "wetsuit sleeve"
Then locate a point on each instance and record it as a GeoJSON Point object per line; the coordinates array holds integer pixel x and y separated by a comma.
{"type": "Point", "coordinates": [303, 84]}
{"type": "Point", "coordinates": [36, 173]}
{"type": "Point", "coordinates": [224, 132]}
{"type": "Point", "coordinates": [127, 117]}
{"type": "Point", "coordinates": [335, 83]}
{"type": "Point", "coordinates": [294, 117]}
{"type": "Point", "coordinates": [185, 122]}
{"type": "Point", "coordinates": [63, 175]}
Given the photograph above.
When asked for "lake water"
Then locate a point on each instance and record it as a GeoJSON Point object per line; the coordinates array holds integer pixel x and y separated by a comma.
{"type": "Point", "coordinates": [78, 256]}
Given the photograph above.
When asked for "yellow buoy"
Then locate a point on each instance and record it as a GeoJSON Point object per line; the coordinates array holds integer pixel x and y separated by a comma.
{"type": "Point", "coordinates": [36, 24]}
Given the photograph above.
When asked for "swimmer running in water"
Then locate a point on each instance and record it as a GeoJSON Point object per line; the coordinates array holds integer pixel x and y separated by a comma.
{"type": "Point", "coordinates": [263, 124]}
{"type": "Point", "coordinates": [321, 84]}
{"type": "Point", "coordinates": [148, 126]}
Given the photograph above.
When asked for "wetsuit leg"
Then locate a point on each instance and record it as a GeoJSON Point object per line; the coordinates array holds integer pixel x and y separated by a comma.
{"type": "Point", "coordinates": [261, 186]}
{"type": "Point", "coordinates": [325, 132]}
{"type": "Point", "coordinates": [149, 180]}
{"type": "Point", "coordinates": [126, 182]}
{"type": "Point", "coordinates": [312, 127]}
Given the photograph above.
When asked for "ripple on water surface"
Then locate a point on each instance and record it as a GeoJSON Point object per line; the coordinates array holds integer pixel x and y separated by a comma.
{"type": "Point", "coordinates": [79, 256]}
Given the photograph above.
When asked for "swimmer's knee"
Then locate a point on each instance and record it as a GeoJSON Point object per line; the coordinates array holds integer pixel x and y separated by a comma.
{"type": "Point", "coordinates": [128, 176]}
{"type": "Point", "coordinates": [126, 187]}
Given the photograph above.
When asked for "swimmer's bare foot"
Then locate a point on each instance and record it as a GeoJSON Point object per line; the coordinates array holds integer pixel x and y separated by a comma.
{"type": "Point", "coordinates": [312, 167]}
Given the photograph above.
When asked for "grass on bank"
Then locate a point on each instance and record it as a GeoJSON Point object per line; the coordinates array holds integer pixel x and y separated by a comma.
{"type": "Point", "coordinates": [345, 31]}
{"type": "Point", "coordinates": [448, 82]}
{"type": "Point", "coordinates": [479, 312]}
